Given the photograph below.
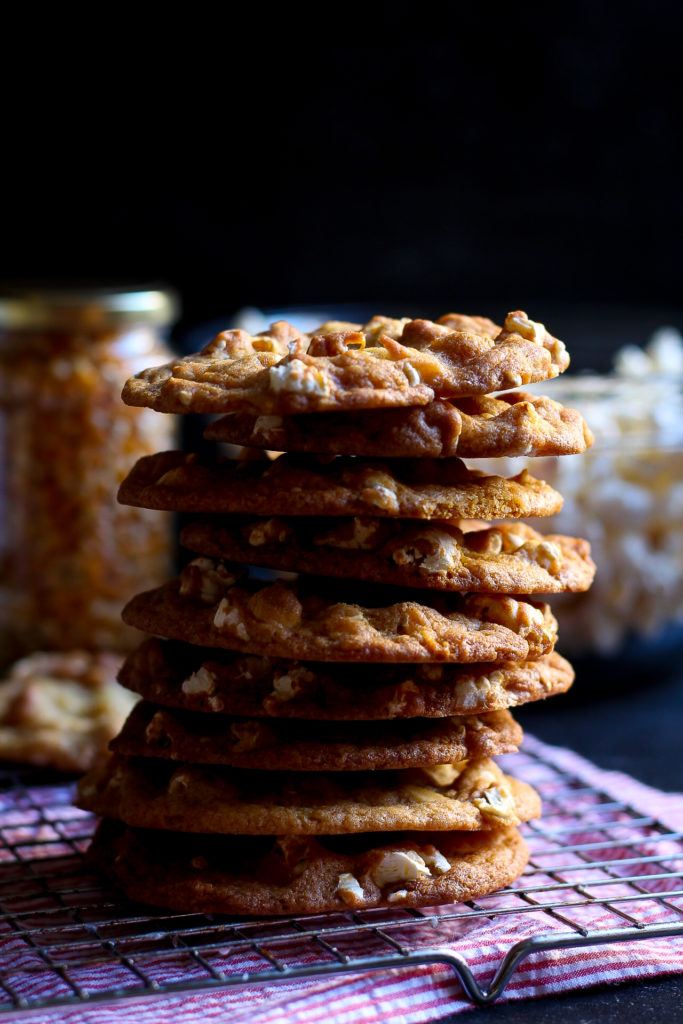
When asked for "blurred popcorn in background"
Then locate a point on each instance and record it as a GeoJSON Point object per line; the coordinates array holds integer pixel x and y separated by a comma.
{"type": "Point", "coordinates": [625, 495]}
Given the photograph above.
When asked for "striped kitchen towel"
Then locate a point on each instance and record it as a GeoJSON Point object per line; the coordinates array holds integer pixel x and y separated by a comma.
{"type": "Point", "coordinates": [606, 861]}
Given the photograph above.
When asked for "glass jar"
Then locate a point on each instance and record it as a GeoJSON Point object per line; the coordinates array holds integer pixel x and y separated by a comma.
{"type": "Point", "coordinates": [70, 555]}
{"type": "Point", "coordinates": [625, 496]}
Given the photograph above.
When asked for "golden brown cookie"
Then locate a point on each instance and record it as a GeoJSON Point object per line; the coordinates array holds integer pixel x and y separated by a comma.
{"type": "Point", "coordinates": [383, 363]}
{"type": "Point", "coordinates": [505, 559]}
{"type": "Point", "coordinates": [305, 875]}
{"type": "Point", "coordinates": [152, 793]}
{"type": "Point", "coordinates": [291, 745]}
{"type": "Point", "coordinates": [303, 485]}
{"type": "Point", "coordinates": [231, 355]}
{"type": "Point", "coordinates": [517, 423]}
{"type": "Point", "coordinates": [310, 619]}
{"type": "Point", "coordinates": [178, 675]}
{"type": "Point", "coordinates": [60, 709]}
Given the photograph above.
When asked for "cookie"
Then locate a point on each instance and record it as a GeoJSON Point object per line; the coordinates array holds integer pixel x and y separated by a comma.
{"type": "Point", "coordinates": [291, 745]}
{"type": "Point", "coordinates": [384, 363]}
{"type": "Point", "coordinates": [178, 675]}
{"type": "Point", "coordinates": [514, 424]}
{"type": "Point", "coordinates": [152, 793]}
{"type": "Point", "coordinates": [303, 485]}
{"type": "Point", "coordinates": [505, 559]}
{"type": "Point", "coordinates": [305, 875]}
{"type": "Point", "coordinates": [60, 709]}
{"type": "Point", "coordinates": [310, 619]}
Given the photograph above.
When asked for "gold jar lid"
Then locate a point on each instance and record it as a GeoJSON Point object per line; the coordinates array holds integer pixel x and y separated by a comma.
{"type": "Point", "coordinates": [35, 307]}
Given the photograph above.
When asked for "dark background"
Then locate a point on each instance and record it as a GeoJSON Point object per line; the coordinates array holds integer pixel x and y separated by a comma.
{"type": "Point", "coordinates": [419, 156]}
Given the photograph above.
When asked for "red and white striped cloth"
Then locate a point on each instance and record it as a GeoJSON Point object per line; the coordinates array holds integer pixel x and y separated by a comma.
{"type": "Point", "coordinates": [420, 994]}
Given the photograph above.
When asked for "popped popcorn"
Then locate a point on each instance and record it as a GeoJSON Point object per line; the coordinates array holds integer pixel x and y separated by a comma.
{"type": "Point", "coordinates": [399, 866]}
{"type": "Point", "coordinates": [624, 495]}
{"type": "Point", "coordinates": [201, 681]}
{"type": "Point", "coordinates": [496, 802]}
{"type": "Point", "coordinates": [349, 890]}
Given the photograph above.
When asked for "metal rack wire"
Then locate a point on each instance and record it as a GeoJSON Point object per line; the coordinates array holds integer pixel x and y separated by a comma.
{"type": "Point", "coordinates": [600, 872]}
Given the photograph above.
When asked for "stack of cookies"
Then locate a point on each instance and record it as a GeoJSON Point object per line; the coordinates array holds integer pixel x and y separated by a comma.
{"type": "Point", "coordinates": [323, 740]}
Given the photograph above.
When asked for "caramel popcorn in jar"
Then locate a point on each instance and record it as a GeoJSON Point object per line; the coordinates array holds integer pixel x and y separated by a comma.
{"type": "Point", "coordinates": [70, 555]}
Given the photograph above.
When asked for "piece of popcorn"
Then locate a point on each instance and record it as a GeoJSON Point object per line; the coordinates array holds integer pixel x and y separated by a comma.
{"type": "Point", "coordinates": [662, 355]}
{"type": "Point", "coordinates": [399, 866]}
{"type": "Point", "coordinates": [201, 681]}
{"type": "Point", "coordinates": [519, 323]}
{"type": "Point", "coordinates": [405, 693]}
{"type": "Point", "coordinates": [442, 555]}
{"type": "Point", "coordinates": [471, 691]}
{"type": "Point", "coordinates": [229, 616]}
{"type": "Point", "coordinates": [435, 861]}
{"type": "Point", "coordinates": [205, 580]}
{"type": "Point", "coordinates": [271, 531]}
{"type": "Point", "coordinates": [395, 897]}
{"type": "Point", "coordinates": [546, 554]}
{"type": "Point", "coordinates": [349, 889]}
{"type": "Point", "coordinates": [496, 802]}
{"type": "Point", "coordinates": [513, 541]}
{"type": "Point", "coordinates": [292, 684]}
{"type": "Point", "coordinates": [489, 542]}
{"type": "Point", "coordinates": [298, 377]}
{"type": "Point", "coordinates": [380, 489]}
{"type": "Point", "coordinates": [516, 616]}
{"type": "Point", "coordinates": [443, 774]}
{"type": "Point", "coordinates": [383, 326]}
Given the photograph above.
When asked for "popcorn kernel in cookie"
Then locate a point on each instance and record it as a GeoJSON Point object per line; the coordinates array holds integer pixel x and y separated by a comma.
{"type": "Point", "coordinates": [350, 891]}
{"type": "Point", "coordinates": [399, 866]}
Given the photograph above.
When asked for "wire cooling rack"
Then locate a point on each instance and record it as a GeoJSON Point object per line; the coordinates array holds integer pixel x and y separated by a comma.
{"type": "Point", "coordinates": [600, 871]}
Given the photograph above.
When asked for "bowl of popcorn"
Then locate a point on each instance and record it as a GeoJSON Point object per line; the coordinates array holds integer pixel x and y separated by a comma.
{"type": "Point", "coordinates": [625, 495]}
